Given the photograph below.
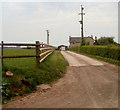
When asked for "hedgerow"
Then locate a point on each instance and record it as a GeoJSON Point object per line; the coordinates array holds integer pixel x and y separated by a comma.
{"type": "Point", "coordinates": [112, 52]}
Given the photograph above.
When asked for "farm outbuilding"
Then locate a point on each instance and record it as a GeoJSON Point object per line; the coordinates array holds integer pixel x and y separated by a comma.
{"type": "Point", "coordinates": [62, 47]}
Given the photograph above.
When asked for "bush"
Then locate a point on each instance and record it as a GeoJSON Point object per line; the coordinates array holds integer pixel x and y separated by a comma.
{"type": "Point", "coordinates": [29, 47]}
{"type": "Point", "coordinates": [87, 43]}
{"type": "Point", "coordinates": [5, 90]}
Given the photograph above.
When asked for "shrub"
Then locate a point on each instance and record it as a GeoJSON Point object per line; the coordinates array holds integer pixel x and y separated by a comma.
{"type": "Point", "coordinates": [29, 47]}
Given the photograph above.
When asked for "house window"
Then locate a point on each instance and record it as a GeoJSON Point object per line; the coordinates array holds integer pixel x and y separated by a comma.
{"type": "Point", "coordinates": [74, 42]}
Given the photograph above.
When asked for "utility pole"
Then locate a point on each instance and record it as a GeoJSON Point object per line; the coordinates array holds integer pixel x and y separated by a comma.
{"type": "Point", "coordinates": [47, 37]}
{"type": "Point", "coordinates": [81, 22]}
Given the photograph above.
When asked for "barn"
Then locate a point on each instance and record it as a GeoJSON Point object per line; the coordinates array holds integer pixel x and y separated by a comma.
{"type": "Point", "coordinates": [62, 47]}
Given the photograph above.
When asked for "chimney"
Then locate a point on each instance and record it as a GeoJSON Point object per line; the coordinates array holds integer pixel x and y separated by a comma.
{"type": "Point", "coordinates": [91, 36]}
{"type": "Point", "coordinates": [69, 38]}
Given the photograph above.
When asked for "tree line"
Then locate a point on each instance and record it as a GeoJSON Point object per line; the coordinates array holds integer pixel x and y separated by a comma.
{"type": "Point", "coordinates": [105, 41]}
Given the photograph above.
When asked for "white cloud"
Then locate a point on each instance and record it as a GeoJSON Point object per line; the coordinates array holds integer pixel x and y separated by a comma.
{"type": "Point", "coordinates": [60, 0]}
{"type": "Point", "coordinates": [30, 20]}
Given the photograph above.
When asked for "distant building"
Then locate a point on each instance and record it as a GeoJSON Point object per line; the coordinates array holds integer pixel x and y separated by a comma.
{"type": "Point", "coordinates": [76, 41]}
{"type": "Point", "coordinates": [62, 47]}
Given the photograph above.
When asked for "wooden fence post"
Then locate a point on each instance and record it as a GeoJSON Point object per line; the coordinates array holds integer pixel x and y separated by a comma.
{"type": "Point", "coordinates": [2, 53]}
{"type": "Point", "coordinates": [37, 53]}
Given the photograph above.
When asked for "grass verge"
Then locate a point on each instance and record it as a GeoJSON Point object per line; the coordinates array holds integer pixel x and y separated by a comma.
{"type": "Point", "coordinates": [27, 76]}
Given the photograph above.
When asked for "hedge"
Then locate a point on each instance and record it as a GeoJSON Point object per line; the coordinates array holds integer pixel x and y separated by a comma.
{"type": "Point", "coordinates": [112, 52]}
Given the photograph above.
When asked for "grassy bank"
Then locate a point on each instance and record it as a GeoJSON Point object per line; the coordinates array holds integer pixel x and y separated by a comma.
{"type": "Point", "coordinates": [108, 53]}
{"type": "Point", "coordinates": [27, 76]}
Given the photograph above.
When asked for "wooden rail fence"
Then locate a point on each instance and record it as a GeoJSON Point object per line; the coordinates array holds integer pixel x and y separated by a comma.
{"type": "Point", "coordinates": [39, 47]}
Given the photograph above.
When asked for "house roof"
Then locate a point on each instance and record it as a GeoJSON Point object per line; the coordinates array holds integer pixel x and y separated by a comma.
{"type": "Point", "coordinates": [78, 39]}
{"type": "Point", "coordinates": [62, 46]}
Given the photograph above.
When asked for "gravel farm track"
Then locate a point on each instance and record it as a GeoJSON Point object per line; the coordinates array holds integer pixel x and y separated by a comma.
{"type": "Point", "coordinates": [88, 83]}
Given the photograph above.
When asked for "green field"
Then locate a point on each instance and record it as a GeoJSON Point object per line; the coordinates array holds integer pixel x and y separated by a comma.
{"type": "Point", "coordinates": [22, 63]}
{"type": "Point", "coordinates": [13, 52]}
{"type": "Point", "coordinates": [27, 75]}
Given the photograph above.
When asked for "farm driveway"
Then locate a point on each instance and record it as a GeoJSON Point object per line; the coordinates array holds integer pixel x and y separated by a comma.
{"type": "Point", "coordinates": [88, 83]}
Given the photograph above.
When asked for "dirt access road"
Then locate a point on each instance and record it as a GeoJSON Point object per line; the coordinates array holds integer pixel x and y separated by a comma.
{"type": "Point", "coordinates": [88, 83]}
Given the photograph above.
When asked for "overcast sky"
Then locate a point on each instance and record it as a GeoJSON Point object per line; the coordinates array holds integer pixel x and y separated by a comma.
{"type": "Point", "coordinates": [28, 21]}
